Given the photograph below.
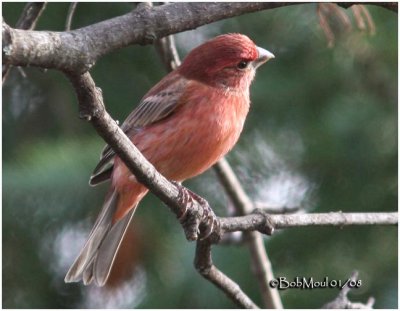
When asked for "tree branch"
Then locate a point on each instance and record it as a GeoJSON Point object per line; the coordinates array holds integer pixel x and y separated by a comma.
{"type": "Point", "coordinates": [263, 222]}
{"type": "Point", "coordinates": [261, 263]}
{"type": "Point", "coordinates": [30, 15]}
{"type": "Point", "coordinates": [78, 50]}
{"type": "Point", "coordinates": [203, 263]}
{"type": "Point", "coordinates": [91, 108]}
{"type": "Point", "coordinates": [167, 50]}
{"type": "Point", "coordinates": [70, 15]}
{"type": "Point", "coordinates": [233, 188]}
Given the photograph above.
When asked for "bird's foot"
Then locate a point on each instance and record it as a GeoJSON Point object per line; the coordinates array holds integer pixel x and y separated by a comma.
{"type": "Point", "coordinates": [197, 217]}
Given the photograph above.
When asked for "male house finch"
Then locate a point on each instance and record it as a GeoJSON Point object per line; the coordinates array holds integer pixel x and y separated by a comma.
{"type": "Point", "coordinates": [183, 125]}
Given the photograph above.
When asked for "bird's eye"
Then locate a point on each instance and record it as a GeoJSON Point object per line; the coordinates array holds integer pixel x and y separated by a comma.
{"type": "Point", "coordinates": [242, 65]}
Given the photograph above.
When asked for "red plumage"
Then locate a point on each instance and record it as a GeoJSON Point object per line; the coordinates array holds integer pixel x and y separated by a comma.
{"type": "Point", "coordinates": [183, 125]}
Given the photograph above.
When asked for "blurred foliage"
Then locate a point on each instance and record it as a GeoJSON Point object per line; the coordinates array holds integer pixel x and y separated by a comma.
{"type": "Point", "coordinates": [329, 115]}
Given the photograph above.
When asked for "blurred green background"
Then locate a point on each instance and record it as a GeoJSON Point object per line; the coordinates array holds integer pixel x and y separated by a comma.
{"type": "Point", "coordinates": [322, 133]}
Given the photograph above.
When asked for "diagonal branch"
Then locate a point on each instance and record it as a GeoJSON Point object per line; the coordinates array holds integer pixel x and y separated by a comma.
{"type": "Point", "coordinates": [91, 108]}
{"type": "Point", "coordinates": [203, 263]}
{"type": "Point", "coordinates": [30, 15]}
{"type": "Point", "coordinates": [244, 205]}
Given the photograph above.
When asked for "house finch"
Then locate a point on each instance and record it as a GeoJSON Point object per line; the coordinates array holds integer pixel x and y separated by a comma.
{"type": "Point", "coordinates": [183, 125]}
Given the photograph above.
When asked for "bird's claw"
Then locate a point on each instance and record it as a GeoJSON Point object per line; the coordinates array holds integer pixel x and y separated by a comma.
{"type": "Point", "coordinates": [197, 224]}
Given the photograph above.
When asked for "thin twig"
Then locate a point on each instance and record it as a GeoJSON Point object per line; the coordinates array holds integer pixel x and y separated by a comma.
{"type": "Point", "coordinates": [70, 15]}
{"type": "Point", "coordinates": [22, 72]}
{"type": "Point", "coordinates": [261, 263]}
{"type": "Point", "coordinates": [166, 48]}
{"type": "Point", "coordinates": [233, 188]}
{"type": "Point", "coordinates": [30, 15]}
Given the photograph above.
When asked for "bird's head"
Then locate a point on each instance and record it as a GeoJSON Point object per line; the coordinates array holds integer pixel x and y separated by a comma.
{"type": "Point", "coordinates": [228, 61]}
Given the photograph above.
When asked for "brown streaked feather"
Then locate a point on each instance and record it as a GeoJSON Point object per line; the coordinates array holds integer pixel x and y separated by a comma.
{"type": "Point", "coordinates": [104, 260]}
{"type": "Point", "coordinates": [103, 176]}
{"type": "Point", "coordinates": [156, 105]}
{"type": "Point", "coordinates": [100, 229]}
{"type": "Point", "coordinates": [96, 259]}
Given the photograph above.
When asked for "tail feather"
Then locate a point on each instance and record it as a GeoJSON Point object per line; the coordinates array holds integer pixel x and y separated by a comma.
{"type": "Point", "coordinates": [108, 250]}
{"type": "Point", "coordinates": [95, 260]}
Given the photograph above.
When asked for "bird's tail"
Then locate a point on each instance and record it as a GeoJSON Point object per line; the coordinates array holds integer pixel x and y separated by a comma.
{"type": "Point", "coordinates": [96, 259]}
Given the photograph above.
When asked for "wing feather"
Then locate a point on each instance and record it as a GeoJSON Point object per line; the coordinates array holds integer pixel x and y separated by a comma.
{"type": "Point", "coordinates": [157, 104]}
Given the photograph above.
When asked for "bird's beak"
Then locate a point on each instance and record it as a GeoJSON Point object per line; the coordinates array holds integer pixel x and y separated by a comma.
{"type": "Point", "coordinates": [263, 57]}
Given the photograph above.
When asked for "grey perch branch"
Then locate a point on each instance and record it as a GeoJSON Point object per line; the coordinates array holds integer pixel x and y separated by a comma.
{"type": "Point", "coordinates": [92, 108]}
{"type": "Point", "coordinates": [265, 223]}
{"type": "Point", "coordinates": [78, 50]}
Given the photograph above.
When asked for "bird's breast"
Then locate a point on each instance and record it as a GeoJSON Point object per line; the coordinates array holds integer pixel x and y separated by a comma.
{"type": "Point", "coordinates": [198, 135]}
{"type": "Point", "coordinates": [195, 136]}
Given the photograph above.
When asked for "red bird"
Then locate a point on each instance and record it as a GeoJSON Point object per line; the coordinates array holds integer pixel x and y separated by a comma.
{"type": "Point", "coordinates": [183, 125]}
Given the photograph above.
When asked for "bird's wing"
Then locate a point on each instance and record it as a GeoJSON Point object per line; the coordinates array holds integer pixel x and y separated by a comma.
{"type": "Point", "coordinates": [156, 105]}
